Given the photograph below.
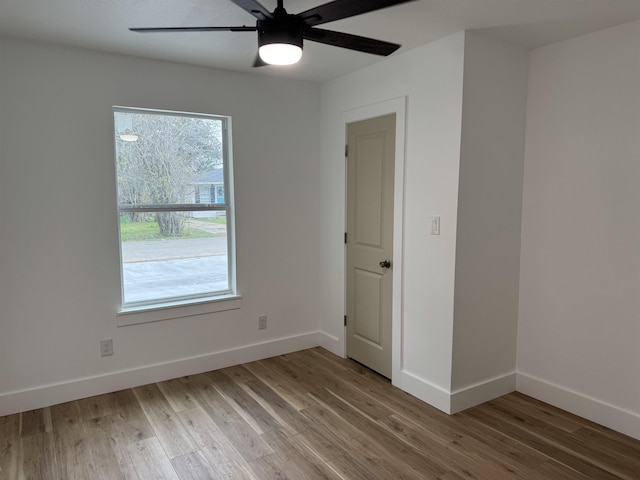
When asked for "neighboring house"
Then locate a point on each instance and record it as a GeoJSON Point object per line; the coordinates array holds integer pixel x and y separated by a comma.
{"type": "Point", "coordinates": [209, 188]}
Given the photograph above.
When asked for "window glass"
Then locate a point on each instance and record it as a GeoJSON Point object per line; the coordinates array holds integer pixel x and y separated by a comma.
{"type": "Point", "coordinates": [175, 237]}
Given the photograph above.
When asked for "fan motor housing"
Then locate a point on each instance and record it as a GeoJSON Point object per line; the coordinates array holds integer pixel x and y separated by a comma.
{"type": "Point", "coordinates": [280, 30]}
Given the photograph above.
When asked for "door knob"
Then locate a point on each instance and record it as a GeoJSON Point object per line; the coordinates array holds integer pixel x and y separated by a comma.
{"type": "Point", "coordinates": [385, 264]}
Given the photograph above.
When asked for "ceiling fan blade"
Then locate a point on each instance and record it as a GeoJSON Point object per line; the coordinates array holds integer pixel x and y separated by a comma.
{"type": "Point", "coordinates": [254, 8]}
{"type": "Point", "coordinates": [195, 29]}
{"type": "Point", "coordinates": [352, 42]}
{"type": "Point", "coordinates": [258, 62]}
{"type": "Point", "coordinates": [339, 9]}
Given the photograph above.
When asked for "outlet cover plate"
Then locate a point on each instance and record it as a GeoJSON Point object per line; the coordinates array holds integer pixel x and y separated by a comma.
{"type": "Point", "coordinates": [106, 347]}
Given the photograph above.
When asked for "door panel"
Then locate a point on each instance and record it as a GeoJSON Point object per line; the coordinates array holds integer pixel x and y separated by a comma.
{"type": "Point", "coordinates": [370, 172]}
{"type": "Point", "coordinates": [369, 165]}
{"type": "Point", "coordinates": [367, 293]}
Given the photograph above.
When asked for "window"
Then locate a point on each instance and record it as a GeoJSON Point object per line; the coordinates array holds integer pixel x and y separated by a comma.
{"type": "Point", "coordinates": [176, 243]}
{"type": "Point", "coordinates": [219, 194]}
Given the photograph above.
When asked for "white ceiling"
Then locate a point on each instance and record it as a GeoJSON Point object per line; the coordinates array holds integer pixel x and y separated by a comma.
{"type": "Point", "coordinates": [103, 25]}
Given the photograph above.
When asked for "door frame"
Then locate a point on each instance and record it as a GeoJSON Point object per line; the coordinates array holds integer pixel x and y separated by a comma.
{"type": "Point", "coordinates": [397, 106]}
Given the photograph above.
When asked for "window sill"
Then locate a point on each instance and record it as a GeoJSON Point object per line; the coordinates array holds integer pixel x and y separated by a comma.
{"type": "Point", "coordinates": [169, 311]}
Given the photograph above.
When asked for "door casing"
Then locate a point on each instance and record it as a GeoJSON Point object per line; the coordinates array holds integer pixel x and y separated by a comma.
{"type": "Point", "coordinates": [397, 106]}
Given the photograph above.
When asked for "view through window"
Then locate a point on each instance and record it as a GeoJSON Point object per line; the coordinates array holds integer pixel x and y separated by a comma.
{"type": "Point", "coordinates": [174, 206]}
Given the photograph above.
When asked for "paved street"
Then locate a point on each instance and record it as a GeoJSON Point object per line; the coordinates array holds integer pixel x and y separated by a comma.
{"type": "Point", "coordinates": [168, 268]}
{"type": "Point", "coordinates": [170, 278]}
{"type": "Point", "coordinates": [154, 250]}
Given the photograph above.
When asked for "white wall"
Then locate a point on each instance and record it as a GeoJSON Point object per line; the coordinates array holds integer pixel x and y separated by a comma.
{"type": "Point", "coordinates": [489, 207]}
{"type": "Point", "coordinates": [431, 79]}
{"type": "Point", "coordinates": [465, 104]}
{"type": "Point", "coordinates": [59, 280]}
{"type": "Point", "coordinates": [579, 326]}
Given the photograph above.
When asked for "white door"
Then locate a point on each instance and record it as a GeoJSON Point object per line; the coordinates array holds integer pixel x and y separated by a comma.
{"type": "Point", "coordinates": [370, 171]}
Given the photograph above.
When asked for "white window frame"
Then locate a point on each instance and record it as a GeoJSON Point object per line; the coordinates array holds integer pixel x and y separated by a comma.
{"type": "Point", "coordinates": [182, 306]}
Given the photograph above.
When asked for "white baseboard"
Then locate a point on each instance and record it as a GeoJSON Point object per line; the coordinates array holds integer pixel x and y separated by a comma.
{"type": "Point", "coordinates": [482, 392]}
{"type": "Point", "coordinates": [597, 411]}
{"type": "Point", "coordinates": [47, 395]}
{"type": "Point", "coordinates": [425, 391]}
{"type": "Point", "coordinates": [332, 344]}
{"type": "Point", "coordinates": [459, 400]}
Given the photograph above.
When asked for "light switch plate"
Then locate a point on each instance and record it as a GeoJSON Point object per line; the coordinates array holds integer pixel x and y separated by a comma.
{"type": "Point", "coordinates": [435, 225]}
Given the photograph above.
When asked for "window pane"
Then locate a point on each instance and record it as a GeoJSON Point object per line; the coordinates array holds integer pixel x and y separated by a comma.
{"type": "Point", "coordinates": [171, 176]}
{"type": "Point", "coordinates": [160, 267]}
{"type": "Point", "coordinates": [162, 158]}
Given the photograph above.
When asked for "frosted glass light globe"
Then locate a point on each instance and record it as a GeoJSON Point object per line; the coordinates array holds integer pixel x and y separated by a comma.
{"type": "Point", "coordinates": [280, 53]}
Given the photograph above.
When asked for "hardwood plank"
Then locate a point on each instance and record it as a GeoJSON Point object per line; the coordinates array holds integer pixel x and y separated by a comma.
{"type": "Point", "coordinates": [33, 421]}
{"type": "Point", "coordinates": [71, 440]}
{"type": "Point", "coordinates": [223, 458]}
{"type": "Point", "coordinates": [247, 406]}
{"type": "Point", "coordinates": [37, 458]}
{"type": "Point", "coordinates": [340, 387]}
{"type": "Point", "coordinates": [106, 461]}
{"type": "Point", "coordinates": [281, 383]}
{"type": "Point", "coordinates": [559, 418]}
{"type": "Point", "coordinates": [417, 457]}
{"type": "Point", "coordinates": [371, 457]}
{"type": "Point", "coordinates": [459, 459]}
{"type": "Point", "coordinates": [505, 466]}
{"type": "Point", "coordinates": [170, 432]}
{"type": "Point", "coordinates": [623, 448]}
{"type": "Point", "coordinates": [122, 428]}
{"type": "Point", "coordinates": [111, 470]}
{"type": "Point", "coordinates": [98, 406]}
{"type": "Point", "coordinates": [150, 460]}
{"type": "Point", "coordinates": [328, 450]}
{"type": "Point", "coordinates": [450, 476]}
{"type": "Point", "coordinates": [234, 427]}
{"type": "Point", "coordinates": [177, 395]}
{"type": "Point", "coordinates": [528, 436]}
{"type": "Point", "coordinates": [129, 423]}
{"type": "Point", "coordinates": [553, 469]}
{"type": "Point", "coordinates": [347, 371]}
{"type": "Point", "coordinates": [239, 374]}
{"type": "Point", "coordinates": [285, 413]}
{"type": "Point", "coordinates": [563, 440]}
{"type": "Point", "coordinates": [281, 414]}
{"type": "Point", "coordinates": [447, 427]}
{"type": "Point", "coordinates": [302, 462]}
{"type": "Point", "coordinates": [9, 446]}
{"type": "Point", "coordinates": [193, 466]}
{"type": "Point", "coordinates": [271, 467]}
{"type": "Point", "coordinates": [517, 453]}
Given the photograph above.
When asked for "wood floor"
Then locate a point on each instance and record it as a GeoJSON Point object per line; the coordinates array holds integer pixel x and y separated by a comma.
{"type": "Point", "coordinates": [304, 415]}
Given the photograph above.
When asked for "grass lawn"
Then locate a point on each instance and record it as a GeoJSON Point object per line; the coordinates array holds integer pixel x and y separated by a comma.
{"type": "Point", "coordinates": [220, 220]}
{"type": "Point", "coordinates": [136, 231]}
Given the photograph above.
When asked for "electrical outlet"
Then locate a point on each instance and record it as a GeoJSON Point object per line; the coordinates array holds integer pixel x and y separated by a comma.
{"type": "Point", "coordinates": [262, 322]}
{"type": "Point", "coordinates": [106, 347]}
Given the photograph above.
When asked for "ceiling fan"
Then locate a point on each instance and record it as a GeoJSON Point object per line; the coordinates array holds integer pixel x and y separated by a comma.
{"type": "Point", "coordinates": [280, 34]}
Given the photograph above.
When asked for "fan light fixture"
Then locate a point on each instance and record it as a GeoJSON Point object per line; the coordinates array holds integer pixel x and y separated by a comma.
{"type": "Point", "coordinates": [280, 53]}
{"type": "Point", "coordinates": [279, 47]}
